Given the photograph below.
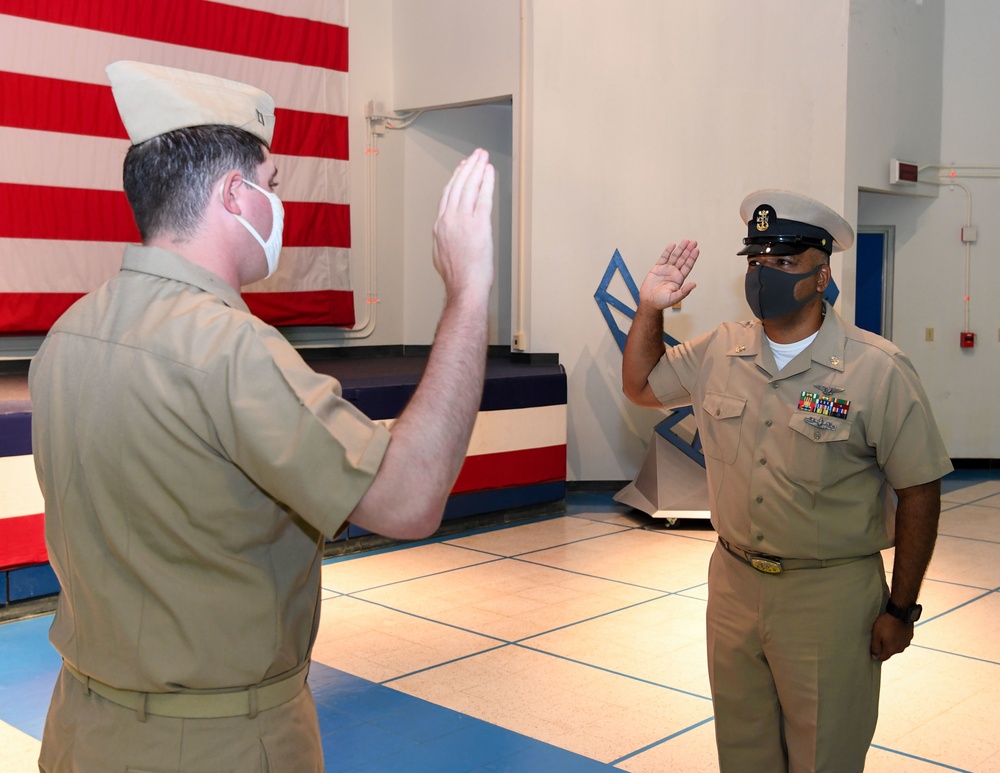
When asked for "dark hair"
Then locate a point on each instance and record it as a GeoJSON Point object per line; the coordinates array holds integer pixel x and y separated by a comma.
{"type": "Point", "coordinates": [168, 179]}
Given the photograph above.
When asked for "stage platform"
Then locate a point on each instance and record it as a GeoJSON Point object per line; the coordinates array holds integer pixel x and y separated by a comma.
{"type": "Point", "coordinates": [515, 466]}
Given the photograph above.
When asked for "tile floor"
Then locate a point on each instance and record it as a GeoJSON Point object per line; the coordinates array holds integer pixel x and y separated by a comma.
{"type": "Point", "coordinates": [576, 644]}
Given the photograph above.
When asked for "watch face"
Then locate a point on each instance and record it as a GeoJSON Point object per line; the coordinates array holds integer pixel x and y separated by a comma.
{"type": "Point", "coordinates": [913, 613]}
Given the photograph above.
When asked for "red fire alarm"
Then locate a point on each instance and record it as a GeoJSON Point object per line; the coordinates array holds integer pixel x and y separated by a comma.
{"type": "Point", "coordinates": [968, 340]}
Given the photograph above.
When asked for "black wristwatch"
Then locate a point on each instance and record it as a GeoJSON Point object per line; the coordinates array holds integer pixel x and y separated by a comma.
{"type": "Point", "coordinates": [908, 614]}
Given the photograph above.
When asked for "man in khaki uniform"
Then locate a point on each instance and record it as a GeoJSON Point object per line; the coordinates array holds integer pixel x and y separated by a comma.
{"type": "Point", "coordinates": [811, 429]}
{"type": "Point", "coordinates": [192, 463]}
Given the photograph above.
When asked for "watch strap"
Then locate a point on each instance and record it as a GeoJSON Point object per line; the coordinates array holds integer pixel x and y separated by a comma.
{"type": "Point", "coordinates": [906, 614]}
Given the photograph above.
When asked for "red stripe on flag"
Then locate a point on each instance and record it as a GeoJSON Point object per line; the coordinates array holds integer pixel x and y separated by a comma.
{"type": "Point", "coordinates": [22, 541]}
{"type": "Point", "coordinates": [297, 133]}
{"type": "Point", "coordinates": [308, 307]}
{"type": "Point", "coordinates": [199, 24]}
{"type": "Point", "coordinates": [511, 468]}
{"type": "Point", "coordinates": [37, 312]}
{"type": "Point", "coordinates": [47, 212]}
{"type": "Point", "coordinates": [53, 105]}
{"type": "Point", "coordinates": [317, 224]}
{"type": "Point", "coordinates": [33, 312]}
{"type": "Point", "coordinates": [81, 214]}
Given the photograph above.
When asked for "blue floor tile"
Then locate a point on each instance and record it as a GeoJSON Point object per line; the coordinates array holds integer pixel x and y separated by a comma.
{"type": "Point", "coordinates": [369, 728]}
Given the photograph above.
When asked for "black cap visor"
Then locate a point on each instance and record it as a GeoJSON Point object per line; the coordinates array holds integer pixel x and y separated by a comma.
{"type": "Point", "coordinates": [783, 245]}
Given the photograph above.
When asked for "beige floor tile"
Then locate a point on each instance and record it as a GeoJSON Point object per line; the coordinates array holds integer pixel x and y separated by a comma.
{"type": "Point", "coordinates": [378, 569]}
{"type": "Point", "coordinates": [659, 560]}
{"type": "Point", "coordinates": [882, 761]}
{"type": "Point", "coordinates": [973, 521]}
{"type": "Point", "coordinates": [18, 750]}
{"type": "Point", "coordinates": [554, 700]}
{"type": "Point", "coordinates": [623, 517]}
{"type": "Point", "coordinates": [972, 630]}
{"type": "Point", "coordinates": [974, 492]}
{"type": "Point", "coordinates": [504, 599]}
{"type": "Point", "coordinates": [940, 707]}
{"type": "Point", "coordinates": [377, 644]}
{"type": "Point", "coordinates": [690, 752]}
{"type": "Point", "coordinates": [661, 641]}
{"type": "Point", "coordinates": [515, 540]}
{"type": "Point", "coordinates": [960, 561]}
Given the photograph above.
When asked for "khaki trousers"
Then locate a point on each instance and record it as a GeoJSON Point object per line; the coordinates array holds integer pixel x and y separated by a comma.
{"type": "Point", "coordinates": [84, 733]}
{"type": "Point", "coordinates": [789, 659]}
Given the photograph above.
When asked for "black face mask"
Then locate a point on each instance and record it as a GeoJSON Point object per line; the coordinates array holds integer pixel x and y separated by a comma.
{"type": "Point", "coordinates": [771, 293]}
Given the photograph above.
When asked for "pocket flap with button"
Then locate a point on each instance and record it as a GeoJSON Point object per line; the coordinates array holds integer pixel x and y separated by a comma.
{"type": "Point", "coordinates": [720, 435]}
{"type": "Point", "coordinates": [722, 406]}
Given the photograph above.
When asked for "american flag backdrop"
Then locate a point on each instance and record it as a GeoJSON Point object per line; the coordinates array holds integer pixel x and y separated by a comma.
{"type": "Point", "coordinates": [64, 219]}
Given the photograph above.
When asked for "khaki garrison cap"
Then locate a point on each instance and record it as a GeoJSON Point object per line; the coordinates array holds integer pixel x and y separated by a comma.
{"type": "Point", "coordinates": [785, 223]}
{"type": "Point", "coordinates": [153, 100]}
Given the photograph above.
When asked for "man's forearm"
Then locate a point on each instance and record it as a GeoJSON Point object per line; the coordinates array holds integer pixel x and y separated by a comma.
{"type": "Point", "coordinates": [643, 349]}
{"type": "Point", "coordinates": [431, 436]}
{"type": "Point", "coordinates": [917, 515]}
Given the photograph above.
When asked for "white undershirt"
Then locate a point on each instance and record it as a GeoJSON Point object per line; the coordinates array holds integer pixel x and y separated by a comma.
{"type": "Point", "coordinates": [785, 353]}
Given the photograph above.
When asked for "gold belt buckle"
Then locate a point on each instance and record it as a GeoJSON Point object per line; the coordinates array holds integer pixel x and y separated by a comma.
{"type": "Point", "coordinates": [766, 565]}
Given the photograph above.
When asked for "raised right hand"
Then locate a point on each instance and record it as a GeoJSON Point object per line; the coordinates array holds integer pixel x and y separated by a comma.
{"type": "Point", "coordinates": [463, 232]}
{"type": "Point", "coordinates": [664, 285]}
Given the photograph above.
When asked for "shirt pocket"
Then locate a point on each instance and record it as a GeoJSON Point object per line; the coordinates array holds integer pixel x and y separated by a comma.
{"type": "Point", "coordinates": [818, 452]}
{"type": "Point", "coordinates": [722, 420]}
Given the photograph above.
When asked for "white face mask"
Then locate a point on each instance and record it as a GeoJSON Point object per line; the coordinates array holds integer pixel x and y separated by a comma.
{"type": "Point", "coordinates": [272, 247]}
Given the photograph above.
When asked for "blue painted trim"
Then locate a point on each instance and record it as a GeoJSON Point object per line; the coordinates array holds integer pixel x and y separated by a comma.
{"type": "Point", "coordinates": [15, 434]}
{"type": "Point", "coordinates": [3, 589]}
{"type": "Point", "coordinates": [31, 582]}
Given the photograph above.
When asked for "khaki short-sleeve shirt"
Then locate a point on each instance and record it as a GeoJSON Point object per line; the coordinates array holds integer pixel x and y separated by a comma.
{"type": "Point", "coordinates": [801, 462]}
{"type": "Point", "coordinates": [191, 464]}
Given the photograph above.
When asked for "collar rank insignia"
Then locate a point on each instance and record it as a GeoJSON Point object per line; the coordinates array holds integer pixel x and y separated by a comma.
{"type": "Point", "coordinates": [820, 423]}
{"type": "Point", "coordinates": [835, 361]}
{"type": "Point", "coordinates": [827, 390]}
{"type": "Point", "coordinates": [740, 349]}
{"type": "Point", "coordinates": [824, 405]}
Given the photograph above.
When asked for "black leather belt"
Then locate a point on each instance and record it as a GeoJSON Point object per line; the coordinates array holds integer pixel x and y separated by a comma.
{"type": "Point", "coordinates": [762, 562]}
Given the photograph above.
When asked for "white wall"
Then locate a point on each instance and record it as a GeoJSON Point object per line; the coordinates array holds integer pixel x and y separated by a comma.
{"type": "Point", "coordinates": [435, 143]}
{"type": "Point", "coordinates": [647, 121]}
{"type": "Point", "coordinates": [930, 277]}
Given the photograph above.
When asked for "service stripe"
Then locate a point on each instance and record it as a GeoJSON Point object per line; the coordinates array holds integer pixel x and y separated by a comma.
{"type": "Point", "coordinates": [511, 468]}
{"type": "Point", "coordinates": [199, 24]}
{"type": "Point", "coordinates": [20, 494]}
{"type": "Point", "coordinates": [22, 541]}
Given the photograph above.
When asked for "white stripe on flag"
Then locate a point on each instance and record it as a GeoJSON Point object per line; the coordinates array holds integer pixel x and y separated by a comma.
{"type": "Point", "coordinates": [57, 266]}
{"type": "Point", "coordinates": [62, 160]}
{"type": "Point", "coordinates": [328, 11]}
{"type": "Point", "coordinates": [76, 161]}
{"type": "Point", "coordinates": [307, 268]}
